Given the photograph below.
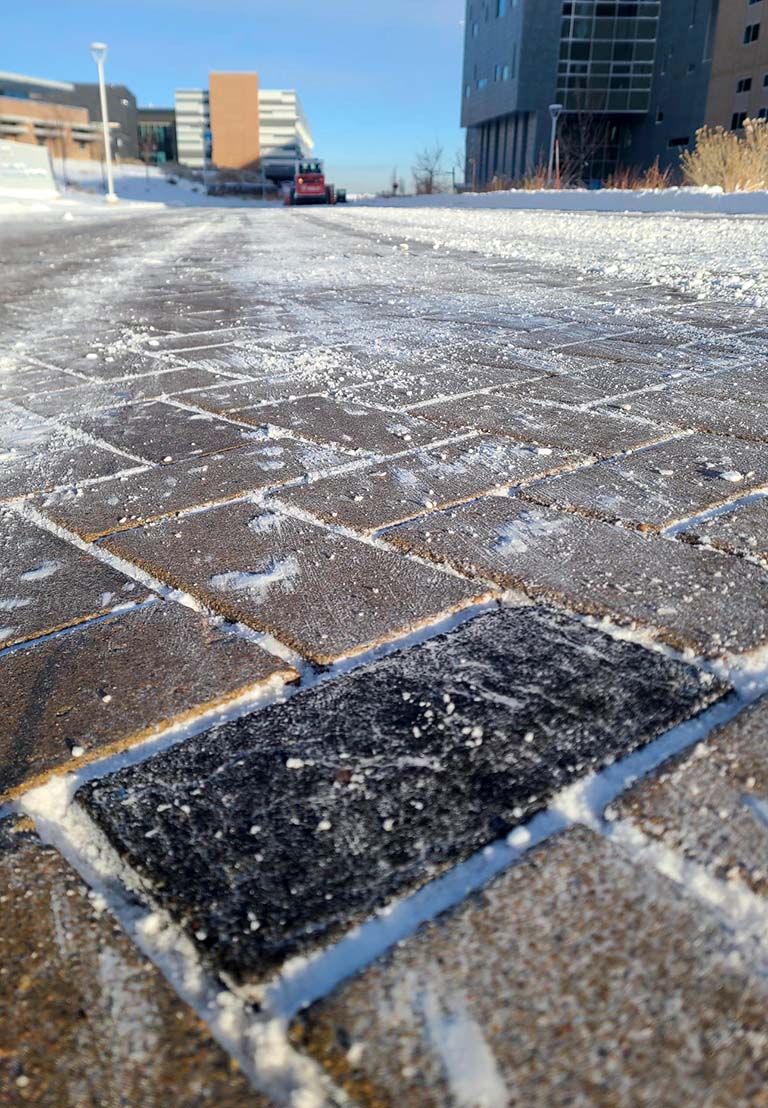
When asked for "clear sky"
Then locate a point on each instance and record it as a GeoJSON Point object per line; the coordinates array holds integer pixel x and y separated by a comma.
{"type": "Point", "coordinates": [379, 79]}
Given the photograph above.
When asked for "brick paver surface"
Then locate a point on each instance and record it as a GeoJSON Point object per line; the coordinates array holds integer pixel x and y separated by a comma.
{"type": "Point", "coordinates": [322, 593]}
{"type": "Point", "coordinates": [742, 531]}
{"type": "Point", "coordinates": [112, 682]}
{"type": "Point", "coordinates": [689, 596]}
{"type": "Point", "coordinates": [664, 484]}
{"type": "Point", "coordinates": [88, 1021]}
{"type": "Point", "coordinates": [47, 584]}
{"type": "Point", "coordinates": [711, 805]}
{"type": "Point", "coordinates": [578, 978]}
{"type": "Point", "coordinates": [378, 466]}
{"type": "Point", "coordinates": [382, 495]}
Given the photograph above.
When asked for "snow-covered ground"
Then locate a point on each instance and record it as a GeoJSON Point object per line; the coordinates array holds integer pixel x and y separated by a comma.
{"type": "Point", "coordinates": [699, 200]}
{"type": "Point", "coordinates": [700, 241]}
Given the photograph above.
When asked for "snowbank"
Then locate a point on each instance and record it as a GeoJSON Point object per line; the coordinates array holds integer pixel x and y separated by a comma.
{"type": "Point", "coordinates": [698, 200]}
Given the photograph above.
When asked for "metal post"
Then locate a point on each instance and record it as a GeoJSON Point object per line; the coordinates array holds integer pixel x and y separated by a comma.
{"type": "Point", "coordinates": [99, 53]}
{"type": "Point", "coordinates": [554, 112]}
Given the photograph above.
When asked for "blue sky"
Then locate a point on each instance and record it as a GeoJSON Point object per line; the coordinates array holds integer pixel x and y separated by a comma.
{"type": "Point", "coordinates": [379, 79]}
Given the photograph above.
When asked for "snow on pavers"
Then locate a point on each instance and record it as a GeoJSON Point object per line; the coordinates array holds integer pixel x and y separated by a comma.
{"type": "Point", "coordinates": [38, 454]}
{"type": "Point", "coordinates": [270, 834]}
{"type": "Point", "coordinates": [659, 486]}
{"type": "Point", "coordinates": [322, 593]}
{"type": "Point", "coordinates": [710, 805]}
{"type": "Point", "coordinates": [93, 511]}
{"type": "Point", "coordinates": [382, 495]}
{"type": "Point", "coordinates": [110, 683]}
{"type": "Point", "coordinates": [544, 424]}
{"type": "Point", "coordinates": [348, 425]}
{"type": "Point", "coordinates": [415, 385]}
{"type": "Point", "coordinates": [692, 598]}
{"type": "Point", "coordinates": [88, 1020]}
{"type": "Point", "coordinates": [694, 412]}
{"type": "Point", "coordinates": [576, 978]}
{"type": "Point", "coordinates": [742, 531]}
{"type": "Point", "coordinates": [99, 363]}
{"type": "Point", "coordinates": [160, 432]}
{"type": "Point", "coordinates": [291, 307]}
{"type": "Point", "coordinates": [18, 382]}
{"type": "Point", "coordinates": [131, 390]}
{"type": "Point", "coordinates": [47, 584]}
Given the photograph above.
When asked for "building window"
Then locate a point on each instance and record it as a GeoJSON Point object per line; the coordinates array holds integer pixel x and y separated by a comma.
{"type": "Point", "coordinates": [754, 1]}
{"type": "Point", "coordinates": [467, 91]}
{"type": "Point", "coordinates": [744, 85]}
{"type": "Point", "coordinates": [683, 141]}
{"type": "Point", "coordinates": [475, 30]}
{"type": "Point", "coordinates": [659, 116]}
{"type": "Point", "coordinates": [501, 8]}
{"type": "Point", "coordinates": [751, 33]}
{"type": "Point", "coordinates": [737, 120]}
{"type": "Point", "coordinates": [482, 83]}
{"type": "Point", "coordinates": [763, 113]}
{"type": "Point", "coordinates": [765, 81]}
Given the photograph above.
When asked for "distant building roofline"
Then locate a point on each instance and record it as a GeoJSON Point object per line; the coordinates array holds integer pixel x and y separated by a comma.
{"type": "Point", "coordinates": [23, 79]}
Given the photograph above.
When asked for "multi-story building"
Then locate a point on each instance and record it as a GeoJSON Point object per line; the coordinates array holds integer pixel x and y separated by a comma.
{"type": "Point", "coordinates": [157, 135]}
{"type": "Point", "coordinates": [67, 117]}
{"type": "Point", "coordinates": [193, 127]}
{"type": "Point", "coordinates": [632, 76]}
{"type": "Point", "coordinates": [236, 125]}
{"type": "Point", "coordinates": [234, 112]}
{"type": "Point", "coordinates": [739, 85]}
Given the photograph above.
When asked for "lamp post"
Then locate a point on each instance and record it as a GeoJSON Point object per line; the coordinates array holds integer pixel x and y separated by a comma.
{"type": "Point", "coordinates": [99, 53]}
{"type": "Point", "coordinates": [555, 111]}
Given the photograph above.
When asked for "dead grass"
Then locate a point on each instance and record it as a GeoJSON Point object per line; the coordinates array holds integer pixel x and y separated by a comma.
{"type": "Point", "coordinates": [735, 163]}
{"type": "Point", "coordinates": [634, 180]}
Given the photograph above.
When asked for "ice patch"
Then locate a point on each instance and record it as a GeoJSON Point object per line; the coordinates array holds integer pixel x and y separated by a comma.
{"type": "Point", "coordinates": [258, 584]}
{"type": "Point", "coordinates": [470, 1067]}
{"type": "Point", "coordinates": [514, 537]}
{"type": "Point", "coordinates": [11, 603]}
{"type": "Point", "coordinates": [39, 573]}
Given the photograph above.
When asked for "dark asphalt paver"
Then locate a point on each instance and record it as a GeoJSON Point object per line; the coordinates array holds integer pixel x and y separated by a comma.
{"type": "Point", "coordinates": [270, 835]}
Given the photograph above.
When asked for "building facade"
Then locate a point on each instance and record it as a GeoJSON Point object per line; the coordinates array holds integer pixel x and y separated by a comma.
{"type": "Point", "coordinates": [236, 125]}
{"type": "Point", "coordinates": [234, 114]}
{"type": "Point", "coordinates": [632, 76]}
{"type": "Point", "coordinates": [739, 85]}
{"type": "Point", "coordinates": [193, 128]}
{"type": "Point", "coordinates": [157, 135]}
{"type": "Point", "coordinates": [66, 117]}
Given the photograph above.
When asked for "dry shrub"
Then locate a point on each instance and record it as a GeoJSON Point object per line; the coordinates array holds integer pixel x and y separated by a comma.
{"type": "Point", "coordinates": [655, 178]}
{"type": "Point", "coordinates": [537, 179]}
{"type": "Point", "coordinates": [734, 162]}
{"type": "Point", "coordinates": [633, 180]}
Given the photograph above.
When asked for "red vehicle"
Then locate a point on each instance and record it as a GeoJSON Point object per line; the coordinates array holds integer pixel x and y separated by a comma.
{"type": "Point", "coordinates": [309, 187]}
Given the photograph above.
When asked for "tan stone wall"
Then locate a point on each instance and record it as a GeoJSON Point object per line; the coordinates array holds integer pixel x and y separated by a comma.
{"type": "Point", "coordinates": [234, 107]}
{"type": "Point", "coordinates": [64, 145]}
{"type": "Point", "coordinates": [732, 61]}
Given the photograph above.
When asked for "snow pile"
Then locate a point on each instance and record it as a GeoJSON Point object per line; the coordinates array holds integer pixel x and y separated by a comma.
{"type": "Point", "coordinates": [689, 199]}
{"type": "Point", "coordinates": [722, 258]}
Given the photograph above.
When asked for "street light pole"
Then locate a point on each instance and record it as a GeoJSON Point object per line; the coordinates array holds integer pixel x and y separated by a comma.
{"type": "Point", "coordinates": [99, 53]}
{"type": "Point", "coordinates": [555, 111]}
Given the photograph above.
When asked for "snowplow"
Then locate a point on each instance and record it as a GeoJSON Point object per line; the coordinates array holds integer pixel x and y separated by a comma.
{"type": "Point", "coordinates": [309, 185]}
